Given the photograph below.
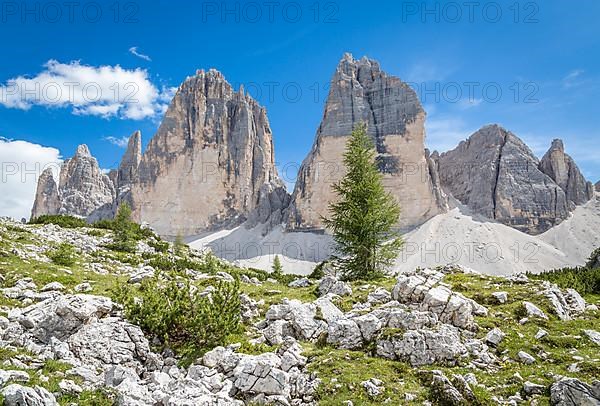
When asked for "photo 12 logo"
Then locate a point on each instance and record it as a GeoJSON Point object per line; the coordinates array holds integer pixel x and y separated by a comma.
{"type": "Point", "coordinates": [470, 11]}
{"type": "Point", "coordinates": [69, 12]}
{"type": "Point", "coordinates": [270, 11]}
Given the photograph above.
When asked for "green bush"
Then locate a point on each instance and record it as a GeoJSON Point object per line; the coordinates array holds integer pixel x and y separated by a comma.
{"type": "Point", "coordinates": [159, 246]}
{"type": "Point", "coordinates": [63, 255]}
{"type": "Point", "coordinates": [171, 310]}
{"type": "Point", "coordinates": [60, 220]}
{"type": "Point", "coordinates": [126, 232]}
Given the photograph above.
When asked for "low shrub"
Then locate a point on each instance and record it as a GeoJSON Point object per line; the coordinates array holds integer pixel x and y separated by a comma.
{"type": "Point", "coordinates": [173, 311]}
{"type": "Point", "coordinates": [60, 220]}
{"type": "Point", "coordinates": [63, 255]}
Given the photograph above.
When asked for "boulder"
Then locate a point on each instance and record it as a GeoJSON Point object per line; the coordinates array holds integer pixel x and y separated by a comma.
{"type": "Point", "coordinates": [494, 337]}
{"type": "Point", "coordinates": [369, 326]}
{"type": "Point", "coordinates": [534, 311]}
{"type": "Point", "coordinates": [501, 297]}
{"type": "Point", "coordinates": [531, 388]}
{"type": "Point", "coordinates": [428, 346]}
{"type": "Point", "coordinates": [331, 285]}
{"type": "Point", "coordinates": [12, 376]}
{"type": "Point", "coordinates": [127, 345]}
{"type": "Point", "coordinates": [300, 283]}
{"type": "Point", "coordinates": [379, 296]}
{"type": "Point", "coordinates": [62, 316]}
{"type": "Point", "coordinates": [17, 395]}
{"type": "Point", "coordinates": [573, 392]}
{"type": "Point", "coordinates": [373, 387]}
{"type": "Point", "coordinates": [344, 333]}
{"type": "Point", "coordinates": [525, 358]}
{"type": "Point", "coordinates": [593, 335]}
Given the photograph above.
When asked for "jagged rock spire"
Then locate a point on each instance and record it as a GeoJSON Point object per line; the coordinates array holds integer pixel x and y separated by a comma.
{"type": "Point", "coordinates": [564, 171]}
{"type": "Point", "coordinates": [131, 160]}
{"type": "Point", "coordinates": [207, 164]}
{"type": "Point", "coordinates": [361, 92]}
{"type": "Point", "coordinates": [47, 199]}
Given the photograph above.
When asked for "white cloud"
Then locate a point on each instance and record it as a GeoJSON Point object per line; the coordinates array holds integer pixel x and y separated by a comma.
{"type": "Point", "coordinates": [571, 80]}
{"type": "Point", "coordinates": [134, 51]}
{"type": "Point", "coordinates": [105, 91]}
{"type": "Point", "coordinates": [22, 162]}
{"type": "Point", "coordinates": [119, 142]}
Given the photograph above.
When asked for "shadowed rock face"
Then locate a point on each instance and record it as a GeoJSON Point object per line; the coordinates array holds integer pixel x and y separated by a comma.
{"type": "Point", "coordinates": [597, 186]}
{"type": "Point", "coordinates": [131, 160]}
{"type": "Point", "coordinates": [47, 200]}
{"type": "Point", "coordinates": [564, 171]}
{"type": "Point", "coordinates": [361, 92]}
{"type": "Point", "coordinates": [206, 165]}
{"type": "Point", "coordinates": [495, 174]}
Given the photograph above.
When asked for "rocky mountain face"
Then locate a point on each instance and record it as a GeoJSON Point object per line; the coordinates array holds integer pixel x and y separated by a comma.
{"type": "Point", "coordinates": [564, 171]}
{"type": "Point", "coordinates": [209, 162]}
{"type": "Point", "coordinates": [83, 190]}
{"type": "Point", "coordinates": [47, 199]}
{"type": "Point", "coordinates": [496, 175]}
{"type": "Point", "coordinates": [597, 187]}
{"type": "Point", "coordinates": [361, 92]}
{"type": "Point", "coordinates": [125, 176]}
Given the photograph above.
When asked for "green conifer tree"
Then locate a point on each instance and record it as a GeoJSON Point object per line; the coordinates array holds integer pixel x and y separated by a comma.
{"type": "Point", "coordinates": [364, 215]}
{"type": "Point", "coordinates": [277, 268]}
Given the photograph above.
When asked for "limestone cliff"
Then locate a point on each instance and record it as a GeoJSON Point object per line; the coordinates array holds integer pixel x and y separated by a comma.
{"type": "Point", "coordinates": [361, 92]}
{"type": "Point", "coordinates": [564, 171]}
{"type": "Point", "coordinates": [47, 199]}
{"type": "Point", "coordinates": [207, 164]}
{"type": "Point", "coordinates": [495, 174]}
{"type": "Point", "coordinates": [84, 190]}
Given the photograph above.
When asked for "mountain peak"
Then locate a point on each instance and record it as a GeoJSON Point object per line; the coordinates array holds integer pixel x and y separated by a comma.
{"type": "Point", "coordinates": [83, 151]}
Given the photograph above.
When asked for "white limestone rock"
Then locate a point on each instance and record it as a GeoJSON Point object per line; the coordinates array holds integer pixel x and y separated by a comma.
{"type": "Point", "coordinates": [495, 336]}
{"type": "Point", "coordinates": [534, 311]}
{"type": "Point", "coordinates": [573, 392]}
{"type": "Point", "coordinates": [17, 395]}
{"type": "Point", "coordinates": [440, 345]}
{"type": "Point", "coordinates": [62, 316]}
{"type": "Point", "coordinates": [331, 285]}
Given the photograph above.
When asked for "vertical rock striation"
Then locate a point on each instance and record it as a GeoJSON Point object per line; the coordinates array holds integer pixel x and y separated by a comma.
{"type": "Point", "coordinates": [207, 164]}
{"type": "Point", "coordinates": [564, 171]}
{"type": "Point", "coordinates": [47, 199]}
{"type": "Point", "coordinates": [496, 175]}
{"type": "Point", "coordinates": [361, 92]}
{"type": "Point", "coordinates": [84, 190]}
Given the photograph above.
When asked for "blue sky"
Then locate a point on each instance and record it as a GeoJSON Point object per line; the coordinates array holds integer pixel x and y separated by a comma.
{"type": "Point", "coordinates": [549, 51]}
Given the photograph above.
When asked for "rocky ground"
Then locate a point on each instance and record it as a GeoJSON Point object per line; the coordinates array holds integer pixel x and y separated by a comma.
{"type": "Point", "coordinates": [430, 336]}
